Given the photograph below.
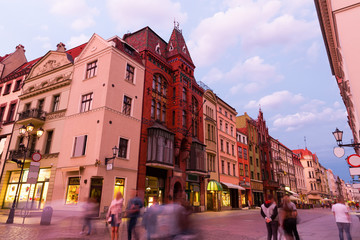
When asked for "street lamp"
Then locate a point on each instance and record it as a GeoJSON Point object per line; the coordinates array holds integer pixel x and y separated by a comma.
{"type": "Point", "coordinates": [25, 132]}
{"type": "Point", "coordinates": [338, 137]}
{"type": "Point", "coordinates": [115, 152]}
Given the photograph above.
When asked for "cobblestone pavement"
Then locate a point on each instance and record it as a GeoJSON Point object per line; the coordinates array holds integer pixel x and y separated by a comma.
{"type": "Point", "coordinates": [240, 225]}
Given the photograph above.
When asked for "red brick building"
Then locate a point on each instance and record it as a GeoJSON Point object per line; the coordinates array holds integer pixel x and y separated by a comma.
{"type": "Point", "coordinates": [244, 168]}
{"type": "Point", "coordinates": [172, 154]}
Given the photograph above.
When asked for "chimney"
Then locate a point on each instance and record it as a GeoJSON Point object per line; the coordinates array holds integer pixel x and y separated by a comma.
{"type": "Point", "coordinates": [60, 47]}
{"type": "Point", "coordinates": [21, 47]}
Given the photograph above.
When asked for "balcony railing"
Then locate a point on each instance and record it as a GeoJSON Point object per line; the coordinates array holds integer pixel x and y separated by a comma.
{"type": "Point", "coordinates": [32, 113]}
{"type": "Point", "coordinates": [19, 154]}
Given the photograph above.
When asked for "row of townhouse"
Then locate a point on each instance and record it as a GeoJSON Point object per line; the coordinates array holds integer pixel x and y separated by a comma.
{"type": "Point", "coordinates": [127, 114]}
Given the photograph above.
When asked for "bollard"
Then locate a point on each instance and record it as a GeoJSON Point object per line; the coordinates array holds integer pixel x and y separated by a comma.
{"type": "Point", "coordinates": [46, 216]}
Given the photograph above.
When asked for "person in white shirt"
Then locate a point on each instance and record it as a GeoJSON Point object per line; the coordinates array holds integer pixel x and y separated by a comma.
{"type": "Point", "coordinates": [342, 218]}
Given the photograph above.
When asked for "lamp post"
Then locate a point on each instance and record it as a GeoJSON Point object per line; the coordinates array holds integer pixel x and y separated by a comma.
{"type": "Point", "coordinates": [338, 137]}
{"type": "Point", "coordinates": [115, 152]}
{"type": "Point", "coordinates": [25, 132]}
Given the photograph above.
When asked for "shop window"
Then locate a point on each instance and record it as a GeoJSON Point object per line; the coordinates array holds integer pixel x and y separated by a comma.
{"type": "Point", "coordinates": [80, 146]}
{"type": "Point", "coordinates": [130, 73]}
{"type": "Point", "coordinates": [72, 195]}
{"type": "Point", "coordinates": [225, 197]}
{"type": "Point", "coordinates": [193, 192]}
{"type": "Point", "coordinates": [123, 147]}
{"type": "Point", "coordinates": [119, 186]}
{"type": "Point", "coordinates": [91, 69]}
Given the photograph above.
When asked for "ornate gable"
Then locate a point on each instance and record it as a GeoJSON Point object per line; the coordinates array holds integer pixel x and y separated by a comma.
{"type": "Point", "coordinates": [95, 44]}
{"type": "Point", "coordinates": [51, 61]}
{"type": "Point", "coordinates": [177, 46]}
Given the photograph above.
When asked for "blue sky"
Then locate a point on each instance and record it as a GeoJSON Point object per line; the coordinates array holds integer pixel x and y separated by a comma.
{"type": "Point", "coordinates": [251, 53]}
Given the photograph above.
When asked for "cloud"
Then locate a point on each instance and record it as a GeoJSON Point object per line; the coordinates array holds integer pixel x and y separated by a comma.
{"type": "Point", "coordinates": [313, 52]}
{"type": "Point", "coordinates": [297, 120]}
{"type": "Point", "coordinates": [45, 41]}
{"type": "Point", "coordinates": [250, 75]}
{"type": "Point", "coordinates": [251, 24]}
{"type": "Point", "coordinates": [78, 10]}
{"type": "Point", "coordinates": [155, 13]}
{"type": "Point", "coordinates": [77, 40]}
{"type": "Point", "coordinates": [275, 100]}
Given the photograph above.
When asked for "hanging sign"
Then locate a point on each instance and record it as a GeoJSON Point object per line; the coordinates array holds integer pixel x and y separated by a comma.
{"type": "Point", "coordinates": [33, 173]}
{"type": "Point", "coordinates": [354, 160]}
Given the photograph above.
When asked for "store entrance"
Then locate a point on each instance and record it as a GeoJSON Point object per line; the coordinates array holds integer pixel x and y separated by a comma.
{"type": "Point", "coordinates": [96, 190]}
{"type": "Point", "coordinates": [154, 190]}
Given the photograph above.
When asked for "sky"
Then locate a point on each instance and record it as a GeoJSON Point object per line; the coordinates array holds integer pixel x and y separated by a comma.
{"type": "Point", "coordinates": [267, 53]}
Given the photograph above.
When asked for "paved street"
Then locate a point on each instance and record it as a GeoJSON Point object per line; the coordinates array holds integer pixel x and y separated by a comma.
{"type": "Point", "coordinates": [245, 224]}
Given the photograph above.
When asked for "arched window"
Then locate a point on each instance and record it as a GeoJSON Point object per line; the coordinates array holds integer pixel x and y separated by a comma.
{"type": "Point", "coordinates": [159, 84]}
{"type": "Point", "coordinates": [184, 95]}
{"type": "Point", "coordinates": [184, 118]}
{"type": "Point", "coordinates": [163, 116]}
{"type": "Point", "coordinates": [153, 109]}
{"type": "Point", "coordinates": [164, 89]}
{"type": "Point", "coordinates": [158, 111]}
{"type": "Point", "coordinates": [154, 83]}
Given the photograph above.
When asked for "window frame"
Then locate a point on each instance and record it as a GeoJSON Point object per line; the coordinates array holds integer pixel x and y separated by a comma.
{"type": "Point", "coordinates": [89, 70]}
{"type": "Point", "coordinates": [84, 103]}
{"type": "Point", "coordinates": [127, 107]}
{"type": "Point", "coordinates": [130, 73]}
{"type": "Point", "coordinates": [127, 147]}
{"type": "Point", "coordinates": [55, 104]}
{"type": "Point", "coordinates": [84, 148]}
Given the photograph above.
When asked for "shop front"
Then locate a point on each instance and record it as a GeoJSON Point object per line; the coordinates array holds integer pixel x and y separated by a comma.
{"type": "Point", "coordinates": [246, 199]}
{"type": "Point", "coordinates": [214, 190]}
{"type": "Point", "coordinates": [193, 192]}
{"type": "Point", "coordinates": [31, 195]}
{"type": "Point", "coordinates": [154, 190]}
{"type": "Point", "coordinates": [314, 199]}
{"type": "Point", "coordinates": [257, 193]}
{"type": "Point", "coordinates": [230, 196]}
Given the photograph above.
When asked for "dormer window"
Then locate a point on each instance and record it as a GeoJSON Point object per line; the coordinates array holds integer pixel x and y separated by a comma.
{"type": "Point", "coordinates": [157, 49]}
{"type": "Point", "coordinates": [171, 47]}
{"type": "Point", "coordinates": [128, 49]}
{"type": "Point", "coordinates": [184, 49]}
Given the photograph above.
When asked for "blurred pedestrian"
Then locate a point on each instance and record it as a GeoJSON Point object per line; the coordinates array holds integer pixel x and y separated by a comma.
{"type": "Point", "coordinates": [289, 219]}
{"type": "Point", "coordinates": [114, 215]}
{"type": "Point", "coordinates": [89, 211]}
{"type": "Point", "coordinates": [150, 218]}
{"type": "Point", "coordinates": [342, 218]}
{"type": "Point", "coordinates": [269, 212]}
{"type": "Point", "coordinates": [133, 212]}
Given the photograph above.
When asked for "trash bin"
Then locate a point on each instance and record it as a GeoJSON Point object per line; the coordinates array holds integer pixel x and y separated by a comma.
{"type": "Point", "coordinates": [46, 216]}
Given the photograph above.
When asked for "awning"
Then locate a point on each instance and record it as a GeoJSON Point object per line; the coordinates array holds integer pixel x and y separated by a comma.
{"type": "Point", "coordinates": [314, 197]}
{"type": "Point", "coordinates": [230, 185]}
{"type": "Point", "coordinates": [292, 193]}
{"type": "Point", "coordinates": [293, 198]}
{"type": "Point", "coordinates": [214, 186]}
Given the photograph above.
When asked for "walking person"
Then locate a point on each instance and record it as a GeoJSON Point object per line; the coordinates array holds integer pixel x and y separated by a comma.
{"type": "Point", "coordinates": [133, 212]}
{"type": "Point", "coordinates": [114, 215]}
{"type": "Point", "coordinates": [342, 218]}
{"type": "Point", "coordinates": [269, 212]}
{"type": "Point", "coordinates": [289, 219]}
{"type": "Point", "coordinates": [150, 218]}
{"type": "Point", "coordinates": [89, 211]}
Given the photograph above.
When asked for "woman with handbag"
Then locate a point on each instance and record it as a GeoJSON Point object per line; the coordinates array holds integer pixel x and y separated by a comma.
{"type": "Point", "coordinates": [114, 215]}
{"type": "Point", "coordinates": [289, 219]}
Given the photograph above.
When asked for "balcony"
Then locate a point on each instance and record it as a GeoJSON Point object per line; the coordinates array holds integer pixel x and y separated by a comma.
{"type": "Point", "coordinates": [196, 163]}
{"type": "Point", "coordinates": [277, 159]}
{"type": "Point", "coordinates": [35, 116]}
{"type": "Point", "coordinates": [19, 154]}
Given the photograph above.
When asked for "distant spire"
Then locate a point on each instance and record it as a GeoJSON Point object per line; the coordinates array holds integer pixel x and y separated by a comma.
{"type": "Point", "coordinates": [305, 142]}
{"type": "Point", "coordinates": [177, 25]}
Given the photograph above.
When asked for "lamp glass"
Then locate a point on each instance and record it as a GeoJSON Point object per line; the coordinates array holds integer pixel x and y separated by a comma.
{"type": "Point", "coordinates": [22, 130]}
{"type": "Point", "coordinates": [30, 127]}
{"type": "Point", "coordinates": [115, 151]}
{"type": "Point", "coordinates": [338, 135]}
{"type": "Point", "coordinates": [40, 132]}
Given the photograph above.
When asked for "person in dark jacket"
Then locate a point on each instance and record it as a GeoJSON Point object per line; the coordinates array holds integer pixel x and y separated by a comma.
{"type": "Point", "coordinates": [269, 212]}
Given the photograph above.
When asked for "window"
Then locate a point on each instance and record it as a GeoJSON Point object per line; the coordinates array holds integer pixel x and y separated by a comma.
{"type": "Point", "coordinates": [258, 176]}
{"type": "Point", "coordinates": [245, 154]}
{"type": "Point", "coordinates": [154, 83]}
{"type": "Point", "coordinates": [227, 148]}
{"type": "Point", "coordinates": [252, 175]}
{"type": "Point", "coordinates": [153, 109]}
{"type": "Point", "coordinates": [228, 168]}
{"type": "Point", "coordinates": [222, 145]}
{"type": "Point", "coordinates": [7, 89]}
{"type": "Point", "coordinates": [127, 106]}
{"type": "Point", "coordinates": [56, 103]}
{"type": "Point", "coordinates": [234, 171]}
{"type": "Point", "coordinates": [91, 69]}
{"type": "Point", "coordinates": [173, 117]}
{"type": "Point", "coordinates": [48, 142]}
{"type": "Point", "coordinates": [220, 109]}
{"type": "Point", "coordinates": [0, 89]}
{"type": "Point", "coordinates": [211, 163]}
{"type": "Point", "coordinates": [158, 84]}
{"type": "Point", "coordinates": [239, 152]}
{"type": "Point", "coordinates": [123, 147]}
{"type": "Point", "coordinates": [163, 116]}
{"type": "Point", "coordinates": [232, 131]}
{"type": "Point", "coordinates": [184, 118]}
{"type": "Point", "coordinates": [241, 166]}
{"type": "Point", "coordinates": [233, 150]}
{"type": "Point", "coordinates": [246, 170]}
{"type": "Point", "coordinates": [225, 113]}
{"type": "Point", "coordinates": [86, 102]}
{"type": "Point", "coordinates": [226, 127]}
{"type": "Point", "coordinates": [80, 146]}
{"type": "Point", "coordinates": [164, 89]}
{"type": "Point", "coordinates": [184, 95]}
{"type": "Point", "coordinates": [222, 167]}
{"type": "Point", "coordinates": [17, 85]}
{"type": "Point", "coordinates": [72, 195]}
{"type": "Point", "coordinates": [130, 73]}
{"type": "Point", "coordinates": [2, 112]}
{"type": "Point", "coordinates": [11, 112]}
{"type": "Point", "coordinates": [41, 104]}
{"type": "Point", "coordinates": [256, 150]}
{"type": "Point", "coordinates": [208, 132]}
{"type": "Point", "coordinates": [311, 186]}
{"type": "Point", "coordinates": [221, 125]}
{"type": "Point", "coordinates": [251, 160]}
{"type": "Point", "coordinates": [174, 92]}
{"type": "Point", "coordinates": [257, 162]}
{"type": "Point", "coordinates": [119, 186]}
{"type": "Point", "coordinates": [230, 117]}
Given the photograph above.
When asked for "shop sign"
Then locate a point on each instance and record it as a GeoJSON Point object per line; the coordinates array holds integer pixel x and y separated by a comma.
{"type": "Point", "coordinates": [256, 186]}
{"type": "Point", "coordinates": [109, 166]}
{"type": "Point", "coordinates": [33, 173]}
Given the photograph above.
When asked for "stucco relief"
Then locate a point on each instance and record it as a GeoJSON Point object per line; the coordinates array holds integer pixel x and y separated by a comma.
{"type": "Point", "coordinates": [52, 62]}
{"type": "Point", "coordinates": [46, 83]}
